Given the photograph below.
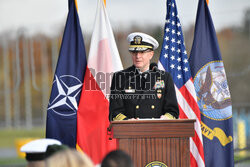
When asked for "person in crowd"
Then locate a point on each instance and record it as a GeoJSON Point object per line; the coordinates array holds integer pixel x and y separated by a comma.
{"type": "Point", "coordinates": [117, 158]}
{"type": "Point", "coordinates": [69, 158]}
{"type": "Point", "coordinates": [40, 149]}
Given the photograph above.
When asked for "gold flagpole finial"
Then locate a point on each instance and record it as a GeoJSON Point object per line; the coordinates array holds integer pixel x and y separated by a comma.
{"type": "Point", "coordinates": [104, 2]}
{"type": "Point", "coordinates": [76, 5]}
{"type": "Point", "coordinates": [207, 2]}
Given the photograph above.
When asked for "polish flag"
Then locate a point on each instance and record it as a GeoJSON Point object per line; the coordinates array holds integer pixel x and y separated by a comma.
{"type": "Point", "coordinates": [93, 111]}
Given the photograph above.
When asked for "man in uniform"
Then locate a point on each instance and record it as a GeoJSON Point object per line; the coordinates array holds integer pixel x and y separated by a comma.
{"type": "Point", "coordinates": [142, 91]}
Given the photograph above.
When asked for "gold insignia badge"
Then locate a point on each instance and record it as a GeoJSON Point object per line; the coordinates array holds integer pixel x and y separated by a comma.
{"type": "Point", "coordinates": [159, 95]}
{"type": "Point", "coordinates": [156, 164]}
{"type": "Point", "coordinates": [137, 40]}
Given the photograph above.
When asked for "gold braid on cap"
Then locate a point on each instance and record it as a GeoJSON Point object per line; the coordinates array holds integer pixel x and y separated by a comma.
{"type": "Point", "coordinates": [139, 43]}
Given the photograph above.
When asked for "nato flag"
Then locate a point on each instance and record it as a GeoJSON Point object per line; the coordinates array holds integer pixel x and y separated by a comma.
{"type": "Point", "coordinates": [212, 91]}
{"type": "Point", "coordinates": [67, 83]}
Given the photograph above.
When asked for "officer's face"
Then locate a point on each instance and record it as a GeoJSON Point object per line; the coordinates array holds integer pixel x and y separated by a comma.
{"type": "Point", "coordinates": [141, 60]}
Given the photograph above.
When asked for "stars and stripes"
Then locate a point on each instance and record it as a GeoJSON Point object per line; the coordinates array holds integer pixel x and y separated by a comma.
{"type": "Point", "coordinates": [174, 53]}
{"type": "Point", "coordinates": [174, 60]}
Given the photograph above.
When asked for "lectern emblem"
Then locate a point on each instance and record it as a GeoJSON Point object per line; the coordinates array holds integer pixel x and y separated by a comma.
{"type": "Point", "coordinates": [156, 164]}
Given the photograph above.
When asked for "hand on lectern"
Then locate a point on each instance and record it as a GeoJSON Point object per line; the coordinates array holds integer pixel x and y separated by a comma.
{"type": "Point", "coordinates": [133, 119]}
{"type": "Point", "coordinates": [164, 117]}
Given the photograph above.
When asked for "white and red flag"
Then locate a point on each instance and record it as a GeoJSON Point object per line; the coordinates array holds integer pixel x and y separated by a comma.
{"type": "Point", "coordinates": [93, 110]}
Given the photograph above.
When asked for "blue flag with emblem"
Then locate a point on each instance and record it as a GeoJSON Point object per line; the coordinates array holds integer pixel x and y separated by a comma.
{"type": "Point", "coordinates": [212, 91]}
{"type": "Point", "coordinates": [67, 83]}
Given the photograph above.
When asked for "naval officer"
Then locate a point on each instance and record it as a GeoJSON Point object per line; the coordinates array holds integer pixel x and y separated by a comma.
{"type": "Point", "coordinates": [142, 90]}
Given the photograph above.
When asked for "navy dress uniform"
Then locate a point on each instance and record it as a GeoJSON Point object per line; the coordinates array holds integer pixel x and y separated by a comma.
{"type": "Point", "coordinates": [148, 94]}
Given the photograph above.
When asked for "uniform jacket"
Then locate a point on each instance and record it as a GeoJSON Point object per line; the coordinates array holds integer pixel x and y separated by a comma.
{"type": "Point", "coordinates": [136, 96]}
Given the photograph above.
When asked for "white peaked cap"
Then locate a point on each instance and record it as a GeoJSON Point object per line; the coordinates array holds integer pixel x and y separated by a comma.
{"type": "Point", "coordinates": [39, 145]}
{"type": "Point", "coordinates": [140, 41]}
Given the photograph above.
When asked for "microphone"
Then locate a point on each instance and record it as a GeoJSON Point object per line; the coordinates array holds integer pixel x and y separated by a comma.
{"type": "Point", "coordinates": [153, 67]}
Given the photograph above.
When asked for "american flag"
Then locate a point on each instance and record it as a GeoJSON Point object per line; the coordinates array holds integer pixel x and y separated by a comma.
{"type": "Point", "coordinates": [174, 60]}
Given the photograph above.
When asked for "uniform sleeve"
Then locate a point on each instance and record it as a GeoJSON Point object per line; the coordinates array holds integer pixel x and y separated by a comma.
{"type": "Point", "coordinates": [116, 105]}
{"type": "Point", "coordinates": [170, 108]}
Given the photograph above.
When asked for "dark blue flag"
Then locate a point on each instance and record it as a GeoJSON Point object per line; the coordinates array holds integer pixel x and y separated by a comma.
{"type": "Point", "coordinates": [212, 91]}
{"type": "Point", "coordinates": [68, 81]}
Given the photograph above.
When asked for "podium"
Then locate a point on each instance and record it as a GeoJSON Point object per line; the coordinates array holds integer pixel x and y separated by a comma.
{"type": "Point", "coordinates": [151, 141]}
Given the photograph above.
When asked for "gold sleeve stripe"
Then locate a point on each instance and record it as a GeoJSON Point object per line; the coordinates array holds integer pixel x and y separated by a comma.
{"type": "Point", "coordinates": [119, 117]}
{"type": "Point", "coordinates": [169, 116]}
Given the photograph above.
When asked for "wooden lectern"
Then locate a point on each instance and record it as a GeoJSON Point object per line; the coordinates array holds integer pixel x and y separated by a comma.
{"type": "Point", "coordinates": [145, 141]}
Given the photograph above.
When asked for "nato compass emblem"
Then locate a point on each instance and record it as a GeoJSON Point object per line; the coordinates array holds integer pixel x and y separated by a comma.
{"type": "Point", "coordinates": [65, 95]}
{"type": "Point", "coordinates": [213, 92]}
{"type": "Point", "coordinates": [156, 164]}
